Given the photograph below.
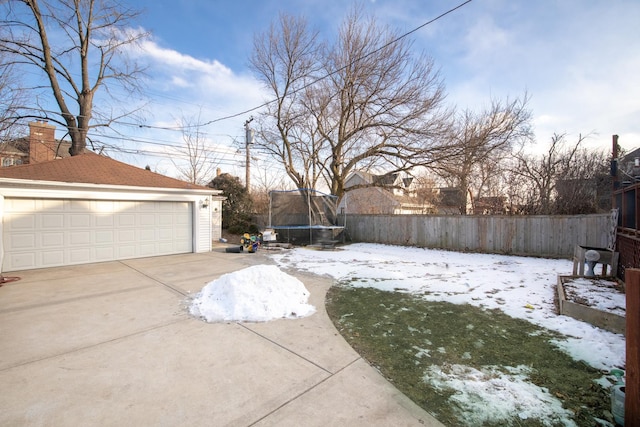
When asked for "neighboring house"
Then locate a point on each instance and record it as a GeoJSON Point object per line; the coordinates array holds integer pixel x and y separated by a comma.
{"type": "Point", "coordinates": [394, 182]}
{"type": "Point", "coordinates": [393, 194]}
{"type": "Point", "coordinates": [629, 166]}
{"type": "Point", "coordinates": [390, 194]}
{"type": "Point", "coordinates": [490, 205]}
{"type": "Point", "coordinates": [39, 146]}
{"type": "Point", "coordinates": [11, 153]}
{"type": "Point", "coordinates": [448, 202]}
{"type": "Point", "coordinates": [90, 208]}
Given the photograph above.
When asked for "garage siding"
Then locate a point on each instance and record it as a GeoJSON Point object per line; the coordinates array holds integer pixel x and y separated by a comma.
{"type": "Point", "coordinates": [54, 232]}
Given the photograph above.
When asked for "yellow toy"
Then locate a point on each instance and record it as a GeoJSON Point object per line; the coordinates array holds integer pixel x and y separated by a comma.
{"type": "Point", "coordinates": [252, 243]}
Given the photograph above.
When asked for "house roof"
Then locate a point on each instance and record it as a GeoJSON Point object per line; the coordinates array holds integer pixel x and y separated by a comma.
{"type": "Point", "coordinates": [386, 180]}
{"type": "Point", "coordinates": [632, 154]}
{"type": "Point", "coordinates": [11, 149]}
{"type": "Point", "coordinates": [20, 146]}
{"type": "Point", "coordinates": [91, 168]}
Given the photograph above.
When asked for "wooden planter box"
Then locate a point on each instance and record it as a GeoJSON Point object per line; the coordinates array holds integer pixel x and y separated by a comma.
{"type": "Point", "coordinates": [602, 319]}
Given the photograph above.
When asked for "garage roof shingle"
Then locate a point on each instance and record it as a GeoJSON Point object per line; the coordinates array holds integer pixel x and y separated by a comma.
{"type": "Point", "coordinates": [91, 168]}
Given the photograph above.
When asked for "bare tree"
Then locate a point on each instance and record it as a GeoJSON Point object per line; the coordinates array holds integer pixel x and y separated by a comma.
{"type": "Point", "coordinates": [266, 181]}
{"type": "Point", "coordinates": [12, 98]}
{"type": "Point", "coordinates": [567, 179]}
{"type": "Point", "coordinates": [7, 110]}
{"type": "Point", "coordinates": [78, 46]}
{"type": "Point", "coordinates": [534, 178]}
{"type": "Point", "coordinates": [286, 60]}
{"type": "Point", "coordinates": [196, 163]}
{"type": "Point", "coordinates": [585, 186]}
{"type": "Point", "coordinates": [480, 141]}
{"type": "Point", "coordinates": [364, 100]}
{"type": "Point", "coordinates": [426, 193]}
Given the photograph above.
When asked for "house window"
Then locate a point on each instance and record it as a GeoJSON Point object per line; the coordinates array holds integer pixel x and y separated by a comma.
{"type": "Point", "coordinates": [10, 161]}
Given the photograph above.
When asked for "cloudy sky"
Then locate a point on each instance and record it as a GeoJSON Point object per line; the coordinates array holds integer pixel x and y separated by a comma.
{"type": "Point", "coordinates": [577, 59]}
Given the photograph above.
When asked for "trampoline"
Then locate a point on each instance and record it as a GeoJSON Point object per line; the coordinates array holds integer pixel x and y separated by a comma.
{"type": "Point", "coordinates": [304, 217]}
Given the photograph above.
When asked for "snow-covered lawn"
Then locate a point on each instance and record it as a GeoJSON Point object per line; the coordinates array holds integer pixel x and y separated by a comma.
{"type": "Point", "coordinates": [521, 287]}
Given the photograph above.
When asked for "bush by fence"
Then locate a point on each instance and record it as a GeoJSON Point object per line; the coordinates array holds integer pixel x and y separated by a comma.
{"type": "Point", "coordinates": [547, 236]}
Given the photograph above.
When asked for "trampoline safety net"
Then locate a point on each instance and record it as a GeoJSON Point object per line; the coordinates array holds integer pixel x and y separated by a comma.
{"type": "Point", "coordinates": [304, 216]}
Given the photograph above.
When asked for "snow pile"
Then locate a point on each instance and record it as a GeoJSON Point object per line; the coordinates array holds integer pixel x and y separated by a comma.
{"type": "Point", "coordinates": [254, 294]}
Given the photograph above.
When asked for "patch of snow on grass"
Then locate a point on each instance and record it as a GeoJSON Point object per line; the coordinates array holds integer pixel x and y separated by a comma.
{"type": "Point", "coordinates": [421, 352]}
{"type": "Point", "coordinates": [254, 294]}
{"type": "Point", "coordinates": [492, 396]}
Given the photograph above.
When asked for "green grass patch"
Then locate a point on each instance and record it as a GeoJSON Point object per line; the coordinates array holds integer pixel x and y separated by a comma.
{"type": "Point", "coordinates": [404, 336]}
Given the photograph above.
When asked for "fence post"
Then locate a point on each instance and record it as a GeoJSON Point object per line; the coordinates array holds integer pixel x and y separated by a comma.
{"type": "Point", "coordinates": [632, 381]}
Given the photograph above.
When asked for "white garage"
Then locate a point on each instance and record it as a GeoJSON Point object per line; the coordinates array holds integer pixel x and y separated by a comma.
{"type": "Point", "coordinates": [51, 223]}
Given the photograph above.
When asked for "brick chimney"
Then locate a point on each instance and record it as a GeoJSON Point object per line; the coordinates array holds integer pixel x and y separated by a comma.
{"type": "Point", "coordinates": [42, 142]}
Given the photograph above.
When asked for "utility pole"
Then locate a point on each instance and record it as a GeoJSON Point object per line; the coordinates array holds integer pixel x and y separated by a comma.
{"type": "Point", "coordinates": [248, 137]}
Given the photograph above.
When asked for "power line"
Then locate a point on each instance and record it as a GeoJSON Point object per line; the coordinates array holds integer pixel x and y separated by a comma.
{"type": "Point", "coordinates": [93, 136]}
{"type": "Point", "coordinates": [319, 79]}
{"type": "Point", "coordinates": [214, 157]}
{"type": "Point", "coordinates": [241, 113]}
{"type": "Point", "coordinates": [172, 157]}
{"type": "Point", "coordinates": [116, 86]}
{"type": "Point", "coordinates": [161, 144]}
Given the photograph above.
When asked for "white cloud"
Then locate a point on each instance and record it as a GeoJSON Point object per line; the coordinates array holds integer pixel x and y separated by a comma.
{"type": "Point", "coordinates": [575, 60]}
{"type": "Point", "coordinates": [179, 82]}
{"type": "Point", "coordinates": [485, 41]}
{"type": "Point", "coordinates": [199, 90]}
{"type": "Point", "coordinates": [181, 85]}
{"type": "Point", "coordinates": [209, 81]}
{"type": "Point", "coordinates": [171, 58]}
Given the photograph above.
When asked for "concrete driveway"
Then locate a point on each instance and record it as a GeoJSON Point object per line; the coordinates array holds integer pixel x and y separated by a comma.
{"type": "Point", "coordinates": [113, 344]}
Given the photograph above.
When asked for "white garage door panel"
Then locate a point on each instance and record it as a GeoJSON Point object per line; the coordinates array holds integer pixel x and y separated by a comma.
{"type": "Point", "coordinates": [52, 239]}
{"type": "Point", "coordinates": [104, 237]}
{"type": "Point", "coordinates": [45, 233]}
{"type": "Point", "coordinates": [105, 254]}
{"type": "Point", "coordinates": [50, 258]}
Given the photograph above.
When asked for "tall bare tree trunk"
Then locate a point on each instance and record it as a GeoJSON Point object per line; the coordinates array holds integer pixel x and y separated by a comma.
{"type": "Point", "coordinates": [90, 35]}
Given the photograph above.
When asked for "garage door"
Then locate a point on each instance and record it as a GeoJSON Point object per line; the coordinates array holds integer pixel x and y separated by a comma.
{"type": "Point", "coordinates": [46, 233]}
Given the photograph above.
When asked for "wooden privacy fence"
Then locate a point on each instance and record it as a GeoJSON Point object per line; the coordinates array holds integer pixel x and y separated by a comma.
{"type": "Point", "coordinates": [546, 236]}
